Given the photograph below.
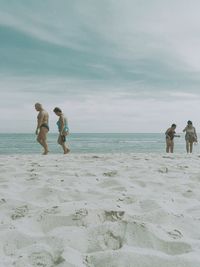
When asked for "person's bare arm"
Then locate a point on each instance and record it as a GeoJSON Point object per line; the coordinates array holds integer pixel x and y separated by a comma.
{"type": "Point", "coordinates": [166, 133]}
{"type": "Point", "coordinates": [195, 133]}
{"type": "Point", "coordinates": [62, 124]}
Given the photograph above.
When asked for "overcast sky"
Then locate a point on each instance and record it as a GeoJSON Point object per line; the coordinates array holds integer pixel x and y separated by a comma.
{"type": "Point", "coordinates": [111, 65]}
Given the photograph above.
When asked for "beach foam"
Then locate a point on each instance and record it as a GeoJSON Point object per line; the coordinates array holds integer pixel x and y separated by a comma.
{"type": "Point", "coordinates": [113, 210]}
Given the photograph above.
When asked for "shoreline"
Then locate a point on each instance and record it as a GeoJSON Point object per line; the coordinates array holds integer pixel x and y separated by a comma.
{"type": "Point", "coordinates": [93, 143]}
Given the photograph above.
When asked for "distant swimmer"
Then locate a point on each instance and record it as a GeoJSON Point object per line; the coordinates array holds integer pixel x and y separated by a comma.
{"type": "Point", "coordinates": [42, 127]}
{"type": "Point", "coordinates": [190, 136]}
{"type": "Point", "coordinates": [63, 129]}
{"type": "Point", "coordinates": [170, 134]}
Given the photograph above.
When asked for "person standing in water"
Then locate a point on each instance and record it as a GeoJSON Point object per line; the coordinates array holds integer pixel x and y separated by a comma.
{"type": "Point", "coordinates": [63, 129]}
{"type": "Point", "coordinates": [170, 134]}
{"type": "Point", "coordinates": [190, 136]}
{"type": "Point", "coordinates": [42, 127]}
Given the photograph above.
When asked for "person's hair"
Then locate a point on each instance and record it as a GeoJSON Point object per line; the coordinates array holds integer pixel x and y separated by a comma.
{"type": "Point", "coordinates": [173, 125]}
{"type": "Point", "coordinates": [38, 105]}
{"type": "Point", "coordinates": [57, 110]}
{"type": "Point", "coordinates": [189, 122]}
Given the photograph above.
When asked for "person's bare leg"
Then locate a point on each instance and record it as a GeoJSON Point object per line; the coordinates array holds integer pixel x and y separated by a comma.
{"type": "Point", "coordinates": [39, 140]}
{"type": "Point", "coordinates": [65, 148]}
{"type": "Point", "coordinates": [63, 144]}
{"type": "Point", "coordinates": [60, 142]}
{"type": "Point", "coordinates": [42, 139]}
{"type": "Point", "coordinates": [191, 147]}
{"type": "Point", "coordinates": [172, 146]}
{"type": "Point", "coordinates": [167, 146]}
{"type": "Point", "coordinates": [187, 146]}
{"type": "Point", "coordinates": [46, 149]}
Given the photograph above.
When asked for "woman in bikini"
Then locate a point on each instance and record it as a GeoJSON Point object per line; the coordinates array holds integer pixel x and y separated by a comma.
{"type": "Point", "coordinates": [190, 136]}
{"type": "Point", "coordinates": [170, 134]}
{"type": "Point", "coordinates": [42, 127]}
{"type": "Point", "coordinates": [62, 128]}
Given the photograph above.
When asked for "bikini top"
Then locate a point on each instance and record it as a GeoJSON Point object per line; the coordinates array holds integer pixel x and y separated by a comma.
{"type": "Point", "coordinates": [190, 130]}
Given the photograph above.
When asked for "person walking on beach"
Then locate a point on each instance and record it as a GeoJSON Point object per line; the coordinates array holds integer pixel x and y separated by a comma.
{"type": "Point", "coordinates": [170, 134]}
{"type": "Point", "coordinates": [42, 127]}
{"type": "Point", "coordinates": [190, 136]}
{"type": "Point", "coordinates": [63, 129]}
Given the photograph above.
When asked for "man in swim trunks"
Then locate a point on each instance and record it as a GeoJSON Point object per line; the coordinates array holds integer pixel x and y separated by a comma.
{"type": "Point", "coordinates": [42, 127]}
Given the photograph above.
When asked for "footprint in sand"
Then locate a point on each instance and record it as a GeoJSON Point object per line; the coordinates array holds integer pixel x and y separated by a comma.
{"type": "Point", "coordinates": [110, 173]}
{"type": "Point", "coordinates": [140, 235]}
{"type": "Point", "coordinates": [163, 170]}
{"type": "Point", "coordinates": [2, 201]}
{"type": "Point", "coordinates": [42, 258]}
{"type": "Point", "coordinates": [50, 221]}
{"type": "Point", "coordinates": [175, 234]}
{"type": "Point", "coordinates": [105, 240]}
{"type": "Point", "coordinates": [111, 241]}
{"type": "Point", "coordinates": [113, 216]}
{"type": "Point", "coordinates": [106, 237]}
{"type": "Point", "coordinates": [20, 212]}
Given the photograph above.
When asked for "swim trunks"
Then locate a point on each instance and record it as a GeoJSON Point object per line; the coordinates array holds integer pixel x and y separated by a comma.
{"type": "Point", "coordinates": [45, 125]}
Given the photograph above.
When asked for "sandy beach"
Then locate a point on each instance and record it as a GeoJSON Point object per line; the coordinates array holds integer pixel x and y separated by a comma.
{"type": "Point", "coordinates": [95, 210]}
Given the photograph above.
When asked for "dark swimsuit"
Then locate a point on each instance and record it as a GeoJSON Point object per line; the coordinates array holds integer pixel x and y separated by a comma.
{"type": "Point", "coordinates": [170, 134]}
{"type": "Point", "coordinates": [45, 125]}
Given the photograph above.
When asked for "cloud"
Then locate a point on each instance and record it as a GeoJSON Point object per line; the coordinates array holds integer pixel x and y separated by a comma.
{"type": "Point", "coordinates": [102, 111]}
{"type": "Point", "coordinates": [108, 62]}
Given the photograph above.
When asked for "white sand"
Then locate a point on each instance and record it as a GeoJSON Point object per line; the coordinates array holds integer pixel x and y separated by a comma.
{"type": "Point", "coordinates": [131, 210]}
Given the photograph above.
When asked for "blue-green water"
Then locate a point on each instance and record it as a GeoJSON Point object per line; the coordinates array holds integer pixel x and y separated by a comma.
{"type": "Point", "coordinates": [92, 143]}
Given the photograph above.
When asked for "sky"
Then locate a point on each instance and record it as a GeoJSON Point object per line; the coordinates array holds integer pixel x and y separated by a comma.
{"type": "Point", "coordinates": [110, 65]}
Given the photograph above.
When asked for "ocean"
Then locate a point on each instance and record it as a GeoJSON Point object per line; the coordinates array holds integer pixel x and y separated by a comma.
{"type": "Point", "coordinates": [92, 143]}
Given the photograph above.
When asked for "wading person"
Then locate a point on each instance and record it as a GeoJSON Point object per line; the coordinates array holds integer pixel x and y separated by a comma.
{"type": "Point", "coordinates": [42, 127]}
{"type": "Point", "coordinates": [190, 136]}
{"type": "Point", "coordinates": [170, 134]}
{"type": "Point", "coordinates": [62, 128]}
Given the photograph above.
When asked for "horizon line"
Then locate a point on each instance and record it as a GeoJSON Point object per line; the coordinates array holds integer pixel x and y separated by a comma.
{"type": "Point", "coordinates": [88, 133]}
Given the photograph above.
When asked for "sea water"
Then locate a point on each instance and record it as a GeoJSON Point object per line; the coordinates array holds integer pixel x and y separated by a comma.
{"type": "Point", "coordinates": [92, 143]}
